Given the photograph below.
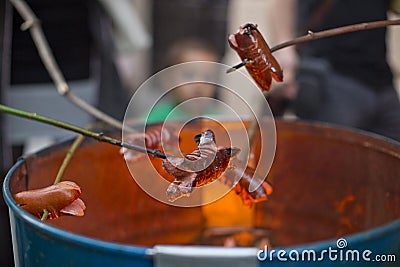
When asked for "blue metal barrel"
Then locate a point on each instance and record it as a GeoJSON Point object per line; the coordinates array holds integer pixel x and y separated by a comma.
{"type": "Point", "coordinates": [336, 197]}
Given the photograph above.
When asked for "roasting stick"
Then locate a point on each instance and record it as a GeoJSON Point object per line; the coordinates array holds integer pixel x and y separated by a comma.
{"type": "Point", "coordinates": [312, 36]}
{"type": "Point", "coordinates": [98, 136]}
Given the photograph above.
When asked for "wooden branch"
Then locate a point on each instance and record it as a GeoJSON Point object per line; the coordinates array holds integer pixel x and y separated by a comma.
{"type": "Point", "coordinates": [64, 165]}
{"type": "Point", "coordinates": [32, 24]}
{"type": "Point", "coordinates": [312, 36]}
{"type": "Point", "coordinates": [98, 136]}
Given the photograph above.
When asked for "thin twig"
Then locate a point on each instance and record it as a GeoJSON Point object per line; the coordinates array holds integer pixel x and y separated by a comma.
{"type": "Point", "coordinates": [63, 167]}
{"type": "Point", "coordinates": [98, 136]}
{"type": "Point", "coordinates": [44, 216]}
{"type": "Point", "coordinates": [68, 157]}
{"type": "Point", "coordinates": [33, 24]}
{"type": "Point", "coordinates": [312, 36]}
{"type": "Point", "coordinates": [239, 65]}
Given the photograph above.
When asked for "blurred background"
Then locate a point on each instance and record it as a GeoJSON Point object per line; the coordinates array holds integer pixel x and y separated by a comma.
{"type": "Point", "coordinates": [106, 49]}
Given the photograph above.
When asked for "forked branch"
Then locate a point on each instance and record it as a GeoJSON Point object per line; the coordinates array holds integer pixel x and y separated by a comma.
{"type": "Point", "coordinates": [32, 24]}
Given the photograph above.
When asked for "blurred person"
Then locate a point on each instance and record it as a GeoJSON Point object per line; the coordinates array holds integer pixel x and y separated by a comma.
{"type": "Point", "coordinates": [344, 79]}
{"type": "Point", "coordinates": [187, 50]}
{"type": "Point", "coordinates": [174, 20]}
{"type": "Point", "coordinates": [174, 23]}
